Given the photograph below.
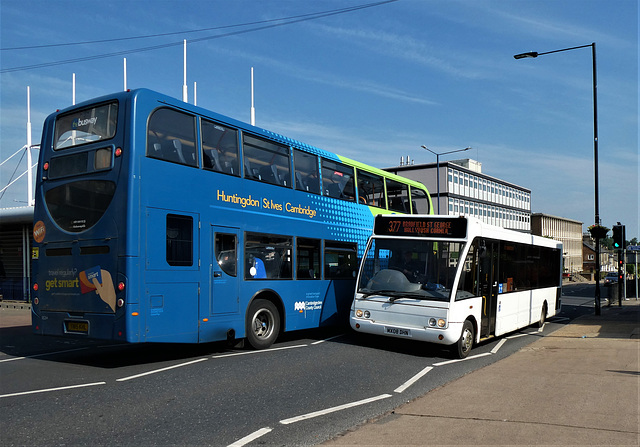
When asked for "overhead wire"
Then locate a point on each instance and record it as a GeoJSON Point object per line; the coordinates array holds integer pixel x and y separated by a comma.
{"type": "Point", "coordinates": [262, 25]}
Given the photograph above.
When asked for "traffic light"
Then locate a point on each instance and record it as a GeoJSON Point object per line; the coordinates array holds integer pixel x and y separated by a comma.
{"type": "Point", "coordinates": [620, 270]}
{"type": "Point", "coordinates": [618, 237]}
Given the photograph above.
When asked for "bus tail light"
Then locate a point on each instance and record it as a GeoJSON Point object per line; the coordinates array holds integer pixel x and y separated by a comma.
{"type": "Point", "coordinates": [120, 302]}
{"type": "Point", "coordinates": [45, 167]}
{"type": "Point", "coordinates": [121, 286]}
{"type": "Point", "coordinates": [36, 301]}
{"type": "Point", "coordinates": [35, 286]}
{"type": "Point", "coordinates": [118, 151]}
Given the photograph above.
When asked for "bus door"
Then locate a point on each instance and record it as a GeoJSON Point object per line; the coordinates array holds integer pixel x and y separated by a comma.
{"type": "Point", "coordinates": [488, 261]}
{"type": "Point", "coordinates": [223, 272]}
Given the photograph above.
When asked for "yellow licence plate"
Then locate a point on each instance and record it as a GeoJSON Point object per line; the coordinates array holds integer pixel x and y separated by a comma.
{"type": "Point", "coordinates": [78, 326]}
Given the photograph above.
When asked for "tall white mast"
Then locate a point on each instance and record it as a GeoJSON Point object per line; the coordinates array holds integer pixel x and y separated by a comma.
{"type": "Point", "coordinates": [73, 90]}
{"type": "Point", "coordinates": [125, 73]}
{"type": "Point", "coordinates": [184, 83]}
{"type": "Point", "coordinates": [195, 93]}
{"type": "Point", "coordinates": [30, 200]}
{"type": "Point", "coordinates": [253, 109]}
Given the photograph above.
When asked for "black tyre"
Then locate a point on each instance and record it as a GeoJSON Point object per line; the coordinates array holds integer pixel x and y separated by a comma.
{"type": "Point", "coordinates": [465, 343]}
{"type": "Point", "coordinates": [543, 316]}
{"type": "Point", "coordinates": [263, 324]}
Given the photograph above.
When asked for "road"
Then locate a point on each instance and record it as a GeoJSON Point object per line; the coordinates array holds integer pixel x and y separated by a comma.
{"type": "Point", "coordinates": [306, 389]}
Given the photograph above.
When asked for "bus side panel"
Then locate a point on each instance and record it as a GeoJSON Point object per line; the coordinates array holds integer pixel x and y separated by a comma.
{"type": "Point", "coordinates": [172, 315]}
{"type": "Point", "coordinates": [513, 311]}
{"type": "Point", "coordinates": [337, 302]}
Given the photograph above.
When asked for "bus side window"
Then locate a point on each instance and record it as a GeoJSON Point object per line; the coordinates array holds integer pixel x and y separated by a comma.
{"type": "Point", "coordinates": [266, 161]}
{"type": "Point", "coordinates": [219, 148]}
{"type": "Point", "coordinates": [419, 201]}
{"type": "Point", "coordinates": [179, 240]}
{"type": "Point", "coordinates": [337, 180]}
{"type": "Point", "coordinates": [307, 258]}
{"type": "Point", "coordinates": [340, 260]}
{"type": "Point", "coordinates": [171, 137]}
{"type": "Point", "coordinates": [225, 251]}
{"type": "Point", "coordinates": [267, 256]}
{"type": "Point", "coordinates": [305, 167]}
{"type": "Point", "coordinates": [398, 196]}
{"type": "Point", "coordinates": [371, 189]}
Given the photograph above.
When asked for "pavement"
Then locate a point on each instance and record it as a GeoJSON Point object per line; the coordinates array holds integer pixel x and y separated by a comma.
{"type": "Point", "coordinates": [580, 385]}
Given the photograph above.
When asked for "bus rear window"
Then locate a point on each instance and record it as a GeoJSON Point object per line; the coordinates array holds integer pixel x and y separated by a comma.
{"type": "Point", "coordinates": [84, 126]}
{"type": "Point", "coordinates": [77, 206]}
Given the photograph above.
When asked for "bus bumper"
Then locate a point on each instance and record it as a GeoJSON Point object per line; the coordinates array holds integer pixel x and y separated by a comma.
{"type": "Point", "coordinates": [447, 336]}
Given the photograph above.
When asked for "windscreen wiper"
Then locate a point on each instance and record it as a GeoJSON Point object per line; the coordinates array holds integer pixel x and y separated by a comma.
{"type": "Point", "coordinates": [406, 295]}
{"type": "Point", "coordinates": [377, 292]}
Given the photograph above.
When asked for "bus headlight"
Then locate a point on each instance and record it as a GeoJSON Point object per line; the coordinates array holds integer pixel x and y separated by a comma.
{"type": "Point", "coordinates": [362, 313]}
{"type": "Point", "coordinates": [358, 313]}
{"type": "Point", "coordinates": [437, 322]}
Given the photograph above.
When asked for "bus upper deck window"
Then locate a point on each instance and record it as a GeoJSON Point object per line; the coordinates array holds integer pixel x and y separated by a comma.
{"type": "Point", "coordinates": [171, 137]}
{"type": "Point", "coordinates": [220, 148]}
{"type": "Point", "coordinates": [337, 180]}
{"type": "Point", "coordinates": [306, 172]}
{"type": "Point", "coordinates": [419, 201]}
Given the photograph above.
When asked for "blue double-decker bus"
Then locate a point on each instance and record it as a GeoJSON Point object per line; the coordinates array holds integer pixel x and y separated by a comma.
{"type": "Point", "coordinates": [159, 221]}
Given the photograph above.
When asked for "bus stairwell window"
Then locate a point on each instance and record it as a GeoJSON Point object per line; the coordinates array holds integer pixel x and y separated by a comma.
{"type": "Point", "coordinates": [179, 240]}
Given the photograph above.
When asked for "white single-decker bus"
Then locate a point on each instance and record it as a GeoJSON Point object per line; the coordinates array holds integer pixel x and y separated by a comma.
{"type": "Point", "coordinates": [454, 280]}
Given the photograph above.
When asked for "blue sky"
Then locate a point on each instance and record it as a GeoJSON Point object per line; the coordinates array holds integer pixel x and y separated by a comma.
{"type": "Point", "coordinates": [373, 84]}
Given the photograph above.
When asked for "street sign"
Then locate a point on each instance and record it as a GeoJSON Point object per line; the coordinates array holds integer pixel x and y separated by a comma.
{"type": "Point", "coordinates": [633, 247]}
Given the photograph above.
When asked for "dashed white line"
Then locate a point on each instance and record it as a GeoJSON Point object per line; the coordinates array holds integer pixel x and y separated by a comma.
{"type": "Point", "coordinates": [333, 409]}
{"type": "Point", "coordinates": [497, 347]}
{"type": "Point", "coordinates": [412, 380]}
{"type": "Point", "coordinates": [42, 355]}
{"type": "Point", "coordinates": [448, 362]}
{"type": "Point", "coordinates": [326, 339]}
{"type": "Point", "coordinates": [160, 370]}
{"type": "Point", "coordinates": [53, 389]}
{"type": "Point", "coordinates": [252, 437]}
{"type": "Point", "coordinates": [262, 351]}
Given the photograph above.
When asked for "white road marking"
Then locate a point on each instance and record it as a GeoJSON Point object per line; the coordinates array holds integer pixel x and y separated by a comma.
{"type": "Point", "coordinates": [53, 389]}
{"type": "Point", "coordinates": [160, 370]}
{"type": "Point", "coordinates": [333, 409]}
{"type": "Point", "coordinates": [42, 355]}
{"type": "Point", "coordinates": [498, 346]}
{"type": "Point", "coordinates": [448, 362]}
{"type": "Point", "coordinates": [412, 380]}
{"type": "Point", "coordinates": [252, 437]}
{"type": "Point", "coordinates": [326, 339]}
{"type": "Point", "coordinates": [262, 351]}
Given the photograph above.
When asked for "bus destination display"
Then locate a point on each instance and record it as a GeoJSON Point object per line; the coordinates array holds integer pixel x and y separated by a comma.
{"type": "Point", "coordinates": [421, 227]}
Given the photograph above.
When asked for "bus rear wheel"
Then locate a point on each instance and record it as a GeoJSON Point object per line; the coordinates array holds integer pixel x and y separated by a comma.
{"type": "Point", "coordinates": [465, 342]}
{"type": "Point", "coordinates": [263, 324]}
{"type": "Point", "coordinates": [543, 316]}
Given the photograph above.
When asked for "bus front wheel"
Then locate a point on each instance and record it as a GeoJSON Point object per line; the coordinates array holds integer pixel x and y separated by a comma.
{"type": "Point", "coordinates": [465, 342]}
{"type": "Point", "coordinates": [263, 324]}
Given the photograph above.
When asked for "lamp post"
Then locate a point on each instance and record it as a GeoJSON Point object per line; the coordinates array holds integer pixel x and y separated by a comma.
{"type": "Point", "coordinates": [534, 54]}
{"type": "Point", "coordinates": [438, 167]}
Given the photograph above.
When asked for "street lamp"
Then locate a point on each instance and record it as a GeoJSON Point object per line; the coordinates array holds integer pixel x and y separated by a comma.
{"type": "Point", "coordinates": [534, 54]}
{"type": "Point", "coordinates": [438, 166]}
